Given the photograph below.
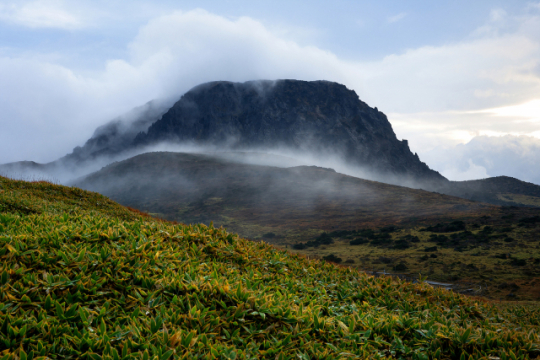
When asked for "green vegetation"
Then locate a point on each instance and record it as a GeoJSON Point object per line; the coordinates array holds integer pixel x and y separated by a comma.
{"type": "Point", "coordinates": [483, 254]}
{"type": "Point", "coordinates": [84, 278]}
{"type": "Point", "coordinates": [520, 199]}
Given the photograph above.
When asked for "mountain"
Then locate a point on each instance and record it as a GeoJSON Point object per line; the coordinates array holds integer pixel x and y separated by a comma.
{"type": "Point", "coordinates": [314, 122]}
{"type": "Point", "coordinates": [118, 135]}
{"type": "Point", "coordinates": [320, 118]}
{"type": "Point", "coordinates": [254, 199]}
{"type": "Point", "coordinates": [110, 142]}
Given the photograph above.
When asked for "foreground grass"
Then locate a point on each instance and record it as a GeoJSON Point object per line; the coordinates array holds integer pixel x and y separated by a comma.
{"type": "Point", "coordinates": [82, 277]}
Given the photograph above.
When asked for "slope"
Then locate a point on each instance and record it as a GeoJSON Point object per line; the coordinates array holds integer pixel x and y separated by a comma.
{"type": "Point", "coordinates": [87, 284]}
{"type": "Point", "coordinates": [500, 190]}
{"type": "Point", "coordinates": [320, 213]}
{"type": "Point", "coordinates": [249, 199]}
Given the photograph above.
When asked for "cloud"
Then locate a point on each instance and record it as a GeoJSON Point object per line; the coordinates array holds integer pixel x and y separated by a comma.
{"type": "Point", "coordinates": [486, 156]}
{"type": "Point", "coordinates": [55, 108]}
{"type": "Point", "coordinates": [448, 77]}
{"type": "Point", "coordinates": [435, 92]}
{"type": "Point", "coordinates": [41, 14]}
{"type": "Point", "coordinates": [529, 111]}
{"type": "Point", "coordinates": [396, 18]}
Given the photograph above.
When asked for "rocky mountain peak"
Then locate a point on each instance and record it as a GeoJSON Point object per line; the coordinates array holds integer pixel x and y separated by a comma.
{"type": "Point", "coordinates": [321, 118]}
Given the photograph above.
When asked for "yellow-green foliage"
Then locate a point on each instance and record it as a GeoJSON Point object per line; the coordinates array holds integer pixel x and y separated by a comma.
{"type": "Point", "coordinates": [102, 283]}
{"type": "Point", "coordinates": [22, 197]}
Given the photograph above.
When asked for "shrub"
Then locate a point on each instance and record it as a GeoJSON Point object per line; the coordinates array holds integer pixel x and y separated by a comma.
{"type": "Point", "coordinates": [332, 258]}
{"type": "Point", "coordinates": [487, 230]}
{"type": "Point", "coordinates": [388, 229]}
{"type": "Point", "coordinates": [444, 228]}
{"type": "Point", "coordinates": [358, 241]}
{"type": "Point", "coordinates": [386, 260]}
{"type": "Point", "coordinates": [324, 239]}
{"type": "Point", "coordinates": [411, 238]}
{"type": "Point", "coordinates": [529, 220]}
{"type": "Point", "coordinates": [518, 262]}
{"type": "Point", "coordinates": [400, 267]}
{"type": "Point", "coordinates": [401, 244]}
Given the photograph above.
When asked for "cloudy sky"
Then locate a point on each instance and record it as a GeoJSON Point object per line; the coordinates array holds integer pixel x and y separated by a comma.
{"type": "Point", "coordinates": [459, 79]}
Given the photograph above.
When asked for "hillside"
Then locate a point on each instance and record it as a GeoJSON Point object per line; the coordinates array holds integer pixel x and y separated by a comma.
{"type": "Point", "coordinates": [500, 190]}
{"type": "Point", "coordinates": [254, 199]}
{"type": "Point", "coordinates": [82, 277]}
{"type": "Point", "coordinates": [371, 225]}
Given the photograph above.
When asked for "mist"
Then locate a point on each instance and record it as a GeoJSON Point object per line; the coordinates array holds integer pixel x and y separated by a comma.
{"type": "Point", "coordinates": [68, 171]}
{"type": "Point", "coordinates": [234, 190]}
{"type": "Point", "coordinates": [488, 156]}
{"type": "Point", "coordinates": [130, 135]}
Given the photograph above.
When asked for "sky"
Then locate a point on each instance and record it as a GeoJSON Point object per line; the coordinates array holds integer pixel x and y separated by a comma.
{"type": "Point", "coordinates": [459, 79]}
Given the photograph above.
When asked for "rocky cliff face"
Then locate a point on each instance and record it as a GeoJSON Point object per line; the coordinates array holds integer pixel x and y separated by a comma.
{"type": "Point", "coordinates": [318, 117]}
{"type": "Point", "coordinates": [319, 122]}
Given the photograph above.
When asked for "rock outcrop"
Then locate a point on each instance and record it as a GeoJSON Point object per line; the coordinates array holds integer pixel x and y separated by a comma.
{"type": "Point", "coordinates": [318, 117]}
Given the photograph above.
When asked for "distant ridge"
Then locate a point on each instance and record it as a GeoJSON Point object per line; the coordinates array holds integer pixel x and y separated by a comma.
{"type": "Point", "coordinates": [499, 190]}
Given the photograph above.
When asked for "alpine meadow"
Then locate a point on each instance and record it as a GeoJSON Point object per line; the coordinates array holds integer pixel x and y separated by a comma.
{"type": "Point", "coordinates": [279, 180]}
{"type": "Point", "coordinates": [83, 277]}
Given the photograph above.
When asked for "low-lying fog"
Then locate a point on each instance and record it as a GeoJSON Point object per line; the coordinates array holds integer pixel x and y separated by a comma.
{"type": "Point", "coordinates": [62, 173]}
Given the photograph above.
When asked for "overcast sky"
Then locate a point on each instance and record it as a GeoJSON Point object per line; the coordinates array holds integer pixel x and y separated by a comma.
{"type": "Point", "coordinates": [444, 72]}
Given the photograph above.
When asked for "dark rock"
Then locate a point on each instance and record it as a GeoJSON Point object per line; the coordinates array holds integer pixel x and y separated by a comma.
{"type": "Point", "coordinates": [318, 117]}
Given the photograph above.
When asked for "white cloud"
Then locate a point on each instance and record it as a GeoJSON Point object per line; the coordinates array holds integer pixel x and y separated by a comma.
{"type": "Point", "coordinates": [432, 94]}
{"type": "Point", "coordinates": [530, 111]}
{"type": "Point", "coordinates": [396, 18]}
{"type": "Point", "coordinates": [41, 14]}
{"type": "Point", "coordinates": [486, 156]}
{"type": "Point", "coordinates": [447, 77]}
{"type": "Point", "coordinates": [472, 171]}
{"type": "Point", "coordinates": [55, 108]}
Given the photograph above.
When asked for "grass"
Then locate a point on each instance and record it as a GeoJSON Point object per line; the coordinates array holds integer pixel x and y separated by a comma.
{"type": "Point", "coordinates": [84, 278]}
{"type": "Point", "coordinates": [497, 259]}
{"type": "Point", "coordinates": [520, 199]}
{"type": "Point", "coordinates": [298, 204]}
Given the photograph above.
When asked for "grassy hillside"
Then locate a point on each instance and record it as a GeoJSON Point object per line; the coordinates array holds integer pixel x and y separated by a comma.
{"type": "Point", "coordinates": [82, 277]}
{"type": "Point", "coordinates": [499, 258]}
{"type": "Point", "coordinates": [295, 202]}
{"type": "Point", "coordinates": [499, 190]}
